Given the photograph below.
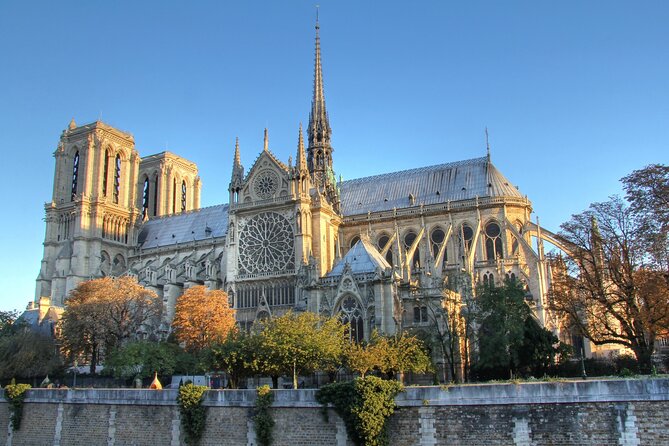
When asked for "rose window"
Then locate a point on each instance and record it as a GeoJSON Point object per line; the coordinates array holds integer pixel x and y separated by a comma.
{"type": "Point", "coordinates": [266, 244]}
{"type": "Point", "coordinates": [265, 184]}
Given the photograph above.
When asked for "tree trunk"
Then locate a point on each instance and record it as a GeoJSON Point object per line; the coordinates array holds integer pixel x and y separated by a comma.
{"type": "Point", "coordinates": [294, 375]}
{"type": "Point", "coordinates": [275, 381]}
{"type": "Point", "coordinates": [94, 359]}
{"type": "Point", "coordinates": [644, 355]}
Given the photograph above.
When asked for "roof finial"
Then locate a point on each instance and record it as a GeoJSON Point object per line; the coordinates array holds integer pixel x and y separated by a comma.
{"type": "Point", "coordinates": [238, 158]}
{"type": "Point", "coordinates": [73, 125]}
{"type": "Point", "coordinates": [487, 143]}
{"type": "Point", "coordinates": [266, 142]}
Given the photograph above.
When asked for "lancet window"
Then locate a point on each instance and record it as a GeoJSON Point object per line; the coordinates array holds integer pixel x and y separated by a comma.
{"type": "Point", "coordinates": [183, 195]}
{"type": "Point", "coordinates": [382, 242]}
{"type": "Point", "coordinates": [493, 241]}
{"type": "Point", "coordinates": [409, 239]}
{"type": "Point", "coordinates": [75, 174]}
{"type": "Point", "coordinates": [145, 198]}
{"type": "Point", "coordinates": [467, 236]}
{"type": "Point", "coordinates": [436, 240]}
{"type": "Point", "coordinates": [350, 313]}
{"type": "Point", "coordinates": [117, 178]}
{"type": "Point", "coordinates": [155, 196]}
{"type": "Point", "coordinates": [419, 314]}
{"type": "Point", "coordinates": [105, 174]}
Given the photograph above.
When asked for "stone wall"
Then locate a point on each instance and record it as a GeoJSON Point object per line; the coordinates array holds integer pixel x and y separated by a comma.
{"type": "Point", "coordinates": [619, 412]}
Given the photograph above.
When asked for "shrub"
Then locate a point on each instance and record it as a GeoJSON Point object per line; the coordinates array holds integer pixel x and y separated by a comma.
{"type": "Point", "coordinates": [263, 421]}
{"type": "Point", "coordinates": [15, 394]}
{"type": "Point", "coordinates": [365, 405]}
{"type": "Point", "coordinates": [193, 413]}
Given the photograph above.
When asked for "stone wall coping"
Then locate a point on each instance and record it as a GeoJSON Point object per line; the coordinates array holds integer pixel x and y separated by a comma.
{"type": "Point", "coordinates": [571, 391]}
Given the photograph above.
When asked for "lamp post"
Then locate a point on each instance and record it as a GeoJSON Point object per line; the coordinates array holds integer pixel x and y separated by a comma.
{"type": "Point", "coordinates": [74, 380]}
{"type": "Point", "coordinates": [583, 374]}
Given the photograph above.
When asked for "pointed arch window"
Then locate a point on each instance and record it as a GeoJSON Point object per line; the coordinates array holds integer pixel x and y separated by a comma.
{"type": "Point", "coordinates": [493, 241]}
{"type": "Point", "coordinates": [382, 242]}
{"type": "Point", "coordinates": [75, 174]}
{"type": "Point", "coordinates": [105, 174]}
{"type": "Point", "coordinates": [174, 196]}
{"type": "Point", "coordinates": [350, 314]}
{"type": "Point", "coordinates": [467, 236]}
{"type": "Point", "coordinates": [409, 239]}
{"type": "Point", "coordinates": [155, 196]}
{"type": "Point", "coordinates": [436, 239]}
{"type": "Point", "coordinates": [117, 178]}
{"type": "Point", "coordinates": [354, 240]}
{"type": "Point", "coordinates": [183, 195]}
{"type": "Point", "coordinates": [145, 198]}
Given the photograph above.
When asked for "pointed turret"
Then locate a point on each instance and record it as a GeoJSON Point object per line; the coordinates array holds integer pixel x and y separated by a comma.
{"type": "Point", "coordinates": [237, 177]}
{"type": "Point", "coordinates": [266, 142]}
{"type": "Point", "coordinates": [301, 160]}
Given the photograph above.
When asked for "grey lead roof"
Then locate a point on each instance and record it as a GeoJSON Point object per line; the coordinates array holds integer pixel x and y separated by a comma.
{"type": "Point", "coordinates": [362, 258]}
{"type": "Point", "coordinates": [460, 180]}
{"type": "Point", "coordinates": [190, 226]}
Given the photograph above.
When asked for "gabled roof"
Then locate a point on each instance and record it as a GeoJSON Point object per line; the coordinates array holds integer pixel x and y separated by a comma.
{"type": "Point", "coordinates": [361, 258]}
{"type": "Point", "coordinates": [460, 180]}
{"type": "Point", "coordinates": [190, 226]}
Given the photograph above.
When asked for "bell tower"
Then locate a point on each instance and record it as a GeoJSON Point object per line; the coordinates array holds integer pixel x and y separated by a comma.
{"type": "Point", "coordinates": [91, 219]}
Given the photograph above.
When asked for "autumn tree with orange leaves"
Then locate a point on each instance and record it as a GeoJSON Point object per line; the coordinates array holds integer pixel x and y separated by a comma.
{"type": "Point", "coordinates": [102, 314]}
{"type": "Point", "coordinates": [202, 317]}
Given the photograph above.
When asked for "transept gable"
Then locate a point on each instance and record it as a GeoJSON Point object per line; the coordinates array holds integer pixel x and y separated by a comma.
{"type": "Point", "coordinates": [268, 178]}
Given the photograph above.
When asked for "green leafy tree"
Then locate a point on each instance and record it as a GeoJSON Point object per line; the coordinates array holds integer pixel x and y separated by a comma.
{"type": "Point", "coordinates": [8, 322]}
{"type": "Point", "coordinates": [403, 353]}
{"type": "Point", "coordinates": [141, 359]}
{"type": "Point", "coordinates": [364, 357]}
{"type": "Point", "coordinates": [236, 356]}
{"type": "Point", "coordinates": [27, 354]}
{"type": "Point", "coordinates": [510, 339]}
{"type": "Point", "coordinates": [295, 344]}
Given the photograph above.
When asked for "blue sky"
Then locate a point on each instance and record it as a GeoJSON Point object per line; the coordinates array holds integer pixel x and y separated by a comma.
{"type": "Point", "coordinates": [575, 94]}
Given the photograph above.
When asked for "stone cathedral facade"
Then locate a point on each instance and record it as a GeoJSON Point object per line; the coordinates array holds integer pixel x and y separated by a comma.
{"type": "Point", "coordinates": [379, 251]}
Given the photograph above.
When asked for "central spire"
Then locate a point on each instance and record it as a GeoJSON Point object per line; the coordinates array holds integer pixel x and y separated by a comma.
{"type": "Point", "coordinates": [319, 152]}
{"type": "Point", "coordinates": [319, 126]}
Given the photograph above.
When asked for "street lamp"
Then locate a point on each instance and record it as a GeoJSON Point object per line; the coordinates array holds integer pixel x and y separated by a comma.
{"type": "Point", "coordinates": [74, 381]}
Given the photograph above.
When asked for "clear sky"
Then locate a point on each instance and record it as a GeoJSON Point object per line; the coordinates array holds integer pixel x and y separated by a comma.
{"type": "Point", "coordinates": [574, 93]}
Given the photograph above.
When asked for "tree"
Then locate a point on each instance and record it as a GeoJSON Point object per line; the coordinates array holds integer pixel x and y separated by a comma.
{"type": "Point", "coordinates": [235, 356]}
{"type": "Point", "coordinates": [604, 287]}
{"type": "Point", "coordinates": [27, 354]}
{"type": "Point", "coordinates": [647, 191]}
{"type": "Point", "coordinates": [202, 318]}
{"type": "Point", "coordinates": [141, 359]}
{"type": "Point", "coordinates": [294, 344]}
{"type": "Point", "coordinates": [501, 314]}
{"type": "Point", "coordinates": [363, 357]}
{"type": "Point", "coordinates": [8, 322]}
{"type": "Point", "coordinates": [510, 340]}
{"type": "Point", "coordinates": [102, 314]}
{"type": "Point", "coordinates": [402, 353]}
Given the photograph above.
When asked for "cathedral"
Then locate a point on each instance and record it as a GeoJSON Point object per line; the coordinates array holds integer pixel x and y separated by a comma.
{"type": "Point", "coordinates": [380, 252]}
